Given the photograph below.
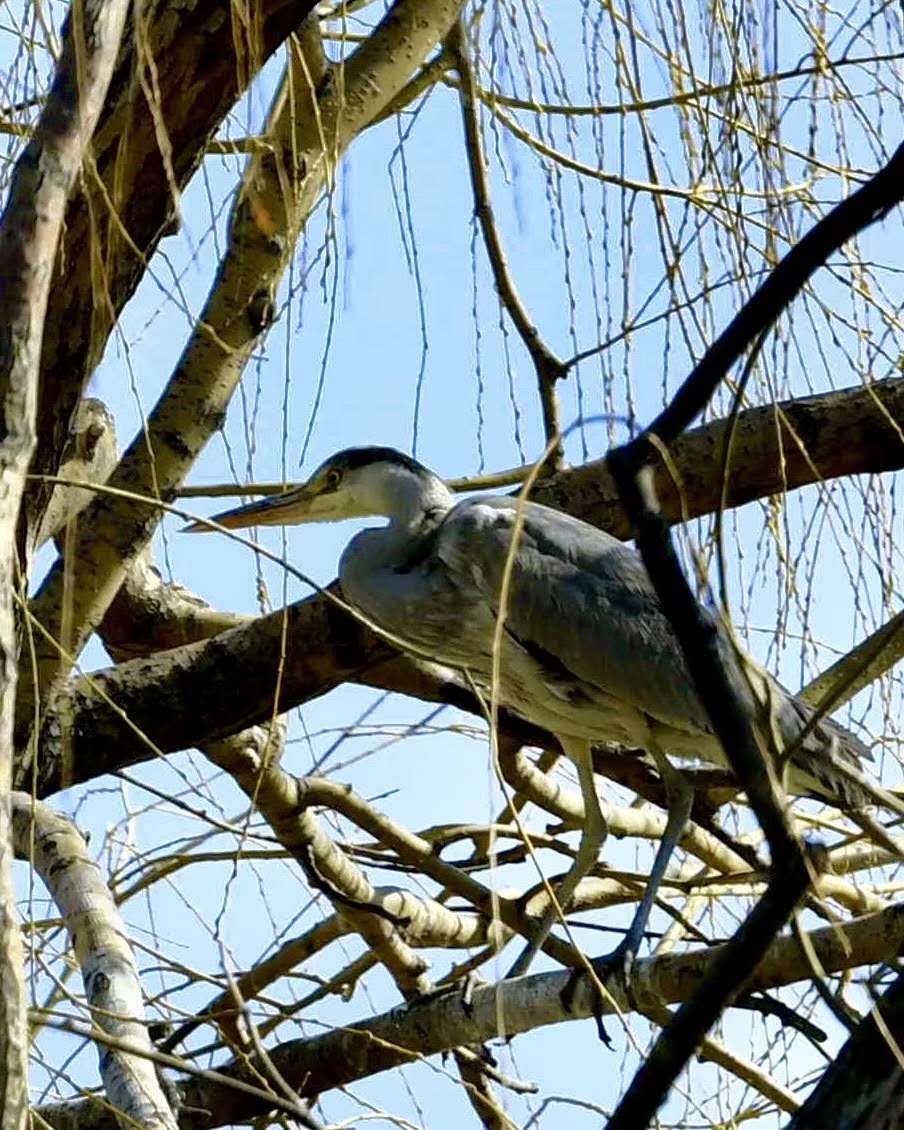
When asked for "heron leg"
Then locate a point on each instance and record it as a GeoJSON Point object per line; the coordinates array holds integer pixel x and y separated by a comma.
{"type": "Point", "coordinates": [680, 798]}
{"type": "Point", "coordinates": [593, 836]}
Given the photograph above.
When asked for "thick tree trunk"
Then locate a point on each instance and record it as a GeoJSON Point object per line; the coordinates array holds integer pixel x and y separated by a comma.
{"type": "Point", "coordinates": [864, 1088]}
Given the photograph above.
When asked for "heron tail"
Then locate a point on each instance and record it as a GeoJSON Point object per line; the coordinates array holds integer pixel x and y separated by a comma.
{"type": "Point", "coordinates": [827, 762]}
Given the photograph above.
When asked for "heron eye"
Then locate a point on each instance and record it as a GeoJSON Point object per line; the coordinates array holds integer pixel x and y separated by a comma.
{"type": "Point", "coordinates": [333, 478]}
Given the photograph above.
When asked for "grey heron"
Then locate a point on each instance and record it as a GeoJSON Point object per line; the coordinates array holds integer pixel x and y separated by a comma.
{"type": "Point", "coordinates": [585, 649]}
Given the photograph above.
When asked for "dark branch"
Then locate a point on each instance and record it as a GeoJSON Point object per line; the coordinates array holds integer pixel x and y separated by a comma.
{"type": "Point", "coordinates": [869, 203]}
{"type": "Point", "coordinates": [723, 691]}
{"type": "Point", "coordinates": [864, 1087]}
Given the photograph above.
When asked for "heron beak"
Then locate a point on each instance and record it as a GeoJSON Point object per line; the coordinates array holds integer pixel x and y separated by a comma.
{"type": "Point", "coordinates": [303, 504]}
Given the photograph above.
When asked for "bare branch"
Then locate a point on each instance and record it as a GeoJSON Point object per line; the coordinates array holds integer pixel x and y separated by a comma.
{"type": "Point", "coordinates": [30, 230]}
{"type": "Point", "coordinates": [549, 368]}
{"type": "Point", "coordinates": [871, 202]}
{"type": "Point", "coordinates": [861, 666]}
{"type": "Point", "coordinates": [428, 923]}
{"type": "Point", "coordinates": [179, 699]}
{"type": "Point", "coordinates": [203, 62]}
{"type": "Point", "coordinates": [777, 448]}
{"type": "Point", "coordinates": [438, 1023]}
{"type": "Point", "coordinates": [281, 799]}
{"type": "Point", "coordinates": [250, 759]}
{"type": "Point", "coordinates": [58, 852]}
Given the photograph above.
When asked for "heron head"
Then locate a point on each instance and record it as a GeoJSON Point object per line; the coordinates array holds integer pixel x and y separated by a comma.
{"type": "Point", "coordinates": [359, 482]}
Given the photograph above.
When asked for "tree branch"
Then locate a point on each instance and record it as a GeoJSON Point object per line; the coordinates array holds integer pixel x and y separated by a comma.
{"type": "Point", "coordinates": [864, 1085]}
{"type": "Point", "coordinates": [250, 760]}
{"type": "Point", "coordinates": [364, 1048]}
{"type": "Point", "coordinates": [871, 202]}
{"type": "Point", "coordinates": [282, 801]}
{"type": "Point", "coordinates": [776, 449]}
{"type": "Point", "coordinates": [100, 940]}
{"type": "Point", "coordinates": [204, 58]}
{"type": "Point", "coordinates": [30, 230]}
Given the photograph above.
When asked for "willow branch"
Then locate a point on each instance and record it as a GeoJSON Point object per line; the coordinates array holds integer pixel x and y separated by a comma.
{"type": "Point", "coordinates": [186, 696]}
{"type": "Point", "coordinates": [285, 804]}
{"type": "Point", "coordinates": [548, 367]}
{"type": "Point", "coordinates": [864, 1085]}
{"type": "Point", "coordinates": [870, 203]}
{"type": "Point", "coordinates": [776, 448]}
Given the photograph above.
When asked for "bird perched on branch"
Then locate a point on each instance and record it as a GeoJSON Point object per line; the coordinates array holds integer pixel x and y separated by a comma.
{"type": "Point", "coordinates": [583, 649]}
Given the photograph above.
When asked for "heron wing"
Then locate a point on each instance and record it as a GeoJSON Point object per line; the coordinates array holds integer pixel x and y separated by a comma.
{"type": "Point", "coordinates": [578, 597]}
{"type": "Point", "coordinates": [583, 598]}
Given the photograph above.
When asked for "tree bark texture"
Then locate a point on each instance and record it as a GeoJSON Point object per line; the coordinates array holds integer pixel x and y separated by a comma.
{"type": "Point", "coordinates": [774, 449]}
{"type": "Point", "coordinates": [29, 234]}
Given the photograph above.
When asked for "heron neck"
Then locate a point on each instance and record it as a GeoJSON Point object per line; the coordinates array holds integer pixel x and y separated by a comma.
{"type": "Point", "coordinates": [416, 501]}
{"type": "Point", "coordinates": [414, 507]}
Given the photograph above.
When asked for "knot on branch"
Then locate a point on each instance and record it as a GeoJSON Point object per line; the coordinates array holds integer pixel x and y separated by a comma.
{"type": "Point", "coordinates": [551, 368]}
{"type": "Point", "coordinates": [261, 312]}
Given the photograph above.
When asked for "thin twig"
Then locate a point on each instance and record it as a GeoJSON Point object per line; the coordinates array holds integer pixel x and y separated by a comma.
{"type": "Point", "coordinates": [871, 202]}
{"type": "Point", "coordinates": [548, 366]}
